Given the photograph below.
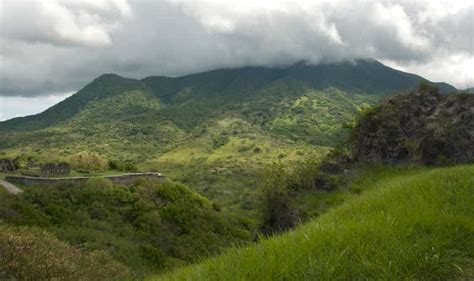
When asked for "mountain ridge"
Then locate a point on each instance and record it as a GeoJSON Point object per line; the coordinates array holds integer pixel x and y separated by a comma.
{"type": "Point", "coordinates": [358, 76]}
{"type": "Point", "coordinates": [213, 130]}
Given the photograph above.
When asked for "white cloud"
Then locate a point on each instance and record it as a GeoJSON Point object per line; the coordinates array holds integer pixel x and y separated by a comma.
{"type": "Point", "coordinates": [11, 107]}
{"type": "Point", "coordinates": [394, 19]}
{"type": "Point", "coordinates": [459, 67]}
{"type": "Point", "coordinates": [80, 28]}
{"type": "Point", "coordinates": [59, 22]}
{"type": "Point", "coordinates": [57, 46]}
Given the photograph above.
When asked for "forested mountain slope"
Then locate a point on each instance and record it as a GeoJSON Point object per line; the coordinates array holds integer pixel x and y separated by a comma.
{"type": "Point", "coordinates": [211, 130]}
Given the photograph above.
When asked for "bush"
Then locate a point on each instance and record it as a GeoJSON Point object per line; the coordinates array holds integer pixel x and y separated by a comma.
{"type": "Point", "coordinates": [219, 140]}
{"type": "Point", "coordinates": [148, 226]}
{"type": "Point", "coordinates": [31, 254]}
{"type": "Point", "coordinates": [277, 210]}
{"type": "Point", "coordinates": [124, 166]}
{"type": "Point", "coordinates": [304, 174]}
{"type": "Point", "coordinates": [99, 183]}
{"type": "Point", "coordinates": [427, 87]}
{"type": "Point", "coordinates": [88, 161]}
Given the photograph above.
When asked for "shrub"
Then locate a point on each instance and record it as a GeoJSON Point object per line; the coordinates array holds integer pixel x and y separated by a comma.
{"type": "Point", "coordinates": [304, 174]}
{"type": "Point", "coordinates": [88, 161]}
{"type": "Point", "coordinates": [427, 87]}
{"type": "Point", "coordinates": [148, 226]}
{"type": "Point", "coordinates": [277, 210]}
{"type": "Point", "coordinates": [219, 140]}
{"type": "Point", "coordinates": [99, 183]}
{"type": "Point", "coordinates": [125, 166]}
{"type": "Point", "coordinates": [31, 254]}
{"type": "Point", "coordinates": [257, 149]}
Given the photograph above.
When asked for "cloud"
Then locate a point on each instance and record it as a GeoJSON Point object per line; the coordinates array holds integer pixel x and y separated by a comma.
{"type": "Point", "coordinates": [58, 46]}
{"type": "Point", "coordinates": [11, 107]}
{"type": "Point", "coordinates": [63, 23]}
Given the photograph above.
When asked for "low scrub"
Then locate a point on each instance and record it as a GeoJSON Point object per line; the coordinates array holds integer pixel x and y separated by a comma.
{"type": "Point", "coordinates": [88, 161]}
{"type": "Point", "coordinates": [32, 254]}
{"type": "Point", "coordinates": [147, 227]}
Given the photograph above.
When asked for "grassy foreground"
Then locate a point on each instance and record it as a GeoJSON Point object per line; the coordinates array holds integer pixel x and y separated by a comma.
{"type": "Point", "coordinates": [408, 225]}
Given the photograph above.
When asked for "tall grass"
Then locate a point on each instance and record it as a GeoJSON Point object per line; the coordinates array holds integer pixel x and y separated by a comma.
{"type": "Point", "coordinates": [416, 226]}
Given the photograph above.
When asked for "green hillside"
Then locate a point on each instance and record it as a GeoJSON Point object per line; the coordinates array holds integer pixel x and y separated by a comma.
{"type": "Point", "coordinates": [211, 130]}
{"type": "Point", "coordinates": [145, 228]}
{"type": "Point", "coordinates": [409, 224]}
{"type": "Point", "coordinates": [223, 88]}
{"type": "Point", "coordinates": [261, 145]}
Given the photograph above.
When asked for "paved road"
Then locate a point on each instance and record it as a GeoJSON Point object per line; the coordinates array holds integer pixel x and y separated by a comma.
{"type": "Point", "coordinates": [10, 187]}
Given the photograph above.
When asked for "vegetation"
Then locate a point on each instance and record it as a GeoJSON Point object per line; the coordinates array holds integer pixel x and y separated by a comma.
{"type": "Point", "coordinates": [277, 207]}
{"type": "Point", "coordinates": [423, 127]}
{"type": "Point", "coordinates": [211, 130]}
{"type": "Point", "coordinates": [251, 140]}
{"type": "Point", "coordinates": [406, 225]}
{"type": "Point", "coordinates": [32, 254]}
{"type": "Point", "coordinates": [147, 227]}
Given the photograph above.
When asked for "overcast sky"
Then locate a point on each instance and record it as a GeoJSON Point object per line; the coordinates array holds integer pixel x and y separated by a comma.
{"type": "Point", "coordinates": [50, 49]}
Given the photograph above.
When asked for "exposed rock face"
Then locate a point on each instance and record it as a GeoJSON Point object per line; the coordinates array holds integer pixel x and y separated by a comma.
{"type": "Point", "coordinates": [55, 169]}
{"type": "Point", "coordinates": [7, 165]}
{"type": "Point", "coordinates": [426, 128]}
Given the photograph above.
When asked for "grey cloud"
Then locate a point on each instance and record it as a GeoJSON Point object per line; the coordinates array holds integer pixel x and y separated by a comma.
{"type": "Point", "coordinates": [62, 23]}
{"type": "Point", "coordinates": [142, 38]}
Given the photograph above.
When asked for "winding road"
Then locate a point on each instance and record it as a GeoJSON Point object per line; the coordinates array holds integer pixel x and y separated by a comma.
{"type": "Point", "coordinates": [10, 188]}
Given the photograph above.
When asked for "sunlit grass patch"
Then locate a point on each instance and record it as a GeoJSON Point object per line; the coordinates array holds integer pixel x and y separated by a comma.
{"type": "Point", "coordinates": [410, 225]}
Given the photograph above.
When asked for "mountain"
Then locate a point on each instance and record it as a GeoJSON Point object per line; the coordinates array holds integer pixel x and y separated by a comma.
{"type": "Point", "coordinates": [365, 76]}
{"type": "Point", "coordinates": [470, 90]}
{"type": "Point", "coordinates": [210, 130]}
{"type": "Point", "coordinates": [106, 85]}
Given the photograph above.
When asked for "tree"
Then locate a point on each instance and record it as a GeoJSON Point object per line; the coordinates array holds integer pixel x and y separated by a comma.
{"type": "Point", "coordinates": [427, 87]}
{"type": "Point", "coordinates": [277, 211]}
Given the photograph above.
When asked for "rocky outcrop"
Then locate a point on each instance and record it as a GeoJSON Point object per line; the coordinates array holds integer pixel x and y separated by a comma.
{"type": "Point", "coordinates": [8, 165]}
{"type": "Point", "coordinates": [55, 169]}
{"type": "Point", "coordinates": [418, 127]}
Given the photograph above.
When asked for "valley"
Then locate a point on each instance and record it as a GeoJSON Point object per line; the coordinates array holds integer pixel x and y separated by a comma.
{"type": "Point", "coordinates": [236, 140]}
{"type": "Point", "coordinates": [213, 130]}
{"type": "Point", "coordinates": [249, 154]}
